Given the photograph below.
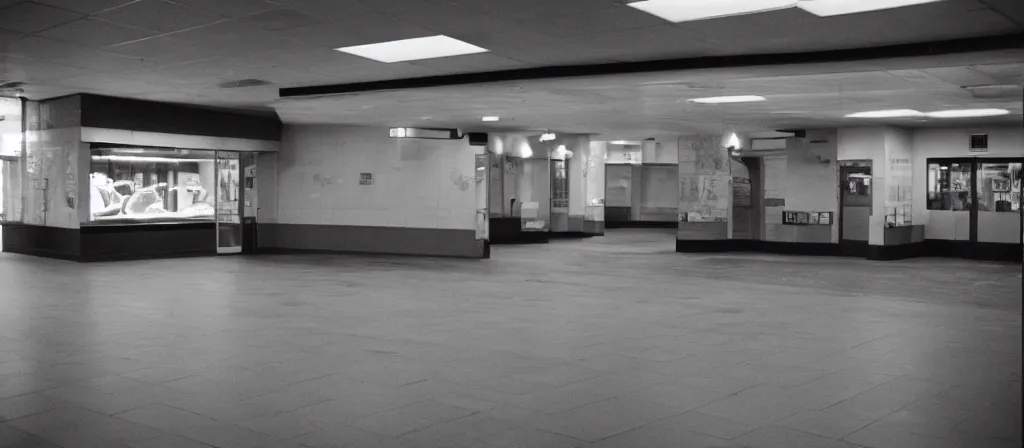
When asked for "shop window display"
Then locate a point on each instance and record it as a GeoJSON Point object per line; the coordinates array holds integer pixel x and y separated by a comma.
{"type": "Point", "coordinates": [999, 187]}
{"type": "Point", "coordinates": [949, 186]}
{"type": "Point", "coordinates": [146, 185]}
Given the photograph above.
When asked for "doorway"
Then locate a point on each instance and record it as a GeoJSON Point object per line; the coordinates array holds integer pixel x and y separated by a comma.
{"type": "Point", "coordinates": [855, 202]}
{"type": "Point", "coordinates": [229, 207]}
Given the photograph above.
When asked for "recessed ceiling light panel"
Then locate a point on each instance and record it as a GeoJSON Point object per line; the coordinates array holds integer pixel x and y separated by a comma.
{"type": "Point", "coordinates": [827, 8]}
{"type": "Point", "coordinates": [491, 118]}
{"type": "Point", "coordinates": [413, 49]}
{"type": "Point", "coordinates": [968, 113]}
{"type": "Point", "coordinates": [892, 113]}
{"type": "Point", "coordinates": [728, 99]}
{"type": "Point", "coordinates": [689, 10]}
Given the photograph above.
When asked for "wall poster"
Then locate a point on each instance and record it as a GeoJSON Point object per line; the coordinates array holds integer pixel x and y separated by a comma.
{"type": "Point", "coordinates": [705, 198]}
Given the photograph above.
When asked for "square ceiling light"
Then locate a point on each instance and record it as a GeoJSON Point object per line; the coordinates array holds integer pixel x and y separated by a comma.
{"type": "Point", "coordinates": [415, 49]}
{"type": "Point", "coordinates": [689, 10]}
{"type": "Point", "coordinates": [827, 8]}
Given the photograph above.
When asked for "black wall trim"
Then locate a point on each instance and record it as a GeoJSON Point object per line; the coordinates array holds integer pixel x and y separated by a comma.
{"type": "Point", "coordinates": [510, 231]}
{"type": "Point", "coordinates": [927, 248]}
{"type": "Point", "coordinates": [315, 238]}
{"type": "Point", "coordinates": [40, 241]}
{"type": "Point", "coordinates": [148, 241]}
{"type": "Point", "coordinates": [1010, 41]}
{"type": "Point", "coordinates": [641, 225]}
{"type": "Point", "coordinates": [973, 251]}
{"type": "Point", "coordinates": [894, 252]}
{"type": "Point", "coordinates": [150, 116]}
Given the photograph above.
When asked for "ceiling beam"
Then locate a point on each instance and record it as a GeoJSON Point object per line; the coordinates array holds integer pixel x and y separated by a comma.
{"type": "Point", "coordinates": [969, 45]}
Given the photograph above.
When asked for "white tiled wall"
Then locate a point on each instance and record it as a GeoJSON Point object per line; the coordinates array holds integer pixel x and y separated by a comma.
{"type": "Point", "coordinates": [416, 183]}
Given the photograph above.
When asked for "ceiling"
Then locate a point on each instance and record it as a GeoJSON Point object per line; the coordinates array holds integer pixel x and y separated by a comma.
{"type": "Point", "coordinates": [645, 105]}
{"type": "Point", "coordinates": [184, 50]}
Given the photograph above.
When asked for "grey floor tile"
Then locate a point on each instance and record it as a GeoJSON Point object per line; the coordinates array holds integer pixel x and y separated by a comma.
{"type": "Point", "coordinates": [25, 405]}
{"type": "Point", "coordinates": [664, 434]}
{"type": "Point", "coordinates": [756, 406]}
{"type": "Point", "coordinates": [607, 418]}
{"type": "Point", "coordinates": [610, 340]}
{"type": "Point", "coordinates": [825, 423]}
{"type": "Point", "coordinates": [776, 437]}
{"type": "Point", "coordinates": [410, 418]}
{"type": "Point", "coordinates": [711, 425]}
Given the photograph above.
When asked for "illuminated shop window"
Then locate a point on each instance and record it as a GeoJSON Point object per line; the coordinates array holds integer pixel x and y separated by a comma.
{"type": "Point", "coordinates": [949, 186]}
{"type": "Point", "coordinates": [151, 185]}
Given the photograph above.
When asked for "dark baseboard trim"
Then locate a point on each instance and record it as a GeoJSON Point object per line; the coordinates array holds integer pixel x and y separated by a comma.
{"type": "Point", "coordinates": [42, 253]}
{"type": "Point", "coordinates": [771, 247]}
{"type": "Point", "coordinates": [285, 251]}
{"type": "Point", "coordinates": [522, 238]}
{"type": "Point", "coordinates": [705, 246]}
{"type": "Point", "coordinates": [859, 249]}
{"type": "Point", "coordinates": [459, 243]}
{"type": "Point", "coordinates": [894, 252]}
{"type": "Point", "coordinates": [569, 235]}
{"type": "Point", "coordinates": [778, 247]}
{"type": "Point", "coordinates": [149, 256]}
{"type": "Point", "coordinates": [972, 251]}
{"type": "Point", "coordinates": [927, 248]}
{"type": "Point", "coordinates": [641, 225]}
{"type": "Point", "coordinates": [42, 241]}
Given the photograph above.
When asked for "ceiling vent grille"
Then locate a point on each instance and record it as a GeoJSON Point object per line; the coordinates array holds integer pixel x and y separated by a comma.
{"type": "Point", "coordinates": [979, 143]}
{"type": "Point", "coordinates": [243, 83]}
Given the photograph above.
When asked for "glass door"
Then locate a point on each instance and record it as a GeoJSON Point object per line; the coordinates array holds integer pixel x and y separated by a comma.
{"type": "Point", "coordinates": [855, 202]}
{"type": "Point", "coordinates": [999, 201]}
{"type": "Point", "coordinates": [229, 207]}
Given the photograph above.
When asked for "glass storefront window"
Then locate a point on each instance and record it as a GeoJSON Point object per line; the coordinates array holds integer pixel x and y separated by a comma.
{"type": "Point", "coordinates": [949, 186]}
{"type": "Point", "coordinates": [999, 187]}
{"type": "Point", "coordinates": [146, 185]}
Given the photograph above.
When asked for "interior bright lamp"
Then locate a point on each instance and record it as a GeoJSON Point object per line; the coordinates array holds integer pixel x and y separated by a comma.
{"type": "Point", "coordinates": [827, 8]}
{"type": "Point", "coordinates": [689, 10]}
{"type": "Point", "coordinates": [968, 113]}
{"type": "Point", "coordinates": [547, 136]}
{"type": "Point", "coordinates": [891, 113]}
{"type": "Point", "coordinates": [431, 47]}
{"type": "Point", "coordinates": [728, 99]}
{"type": "Point", "coordinates": [491, 118]}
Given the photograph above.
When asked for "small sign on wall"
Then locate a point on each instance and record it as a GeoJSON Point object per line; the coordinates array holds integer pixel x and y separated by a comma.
{"type": "Point", "coordinates": [806, 218]}
{"type": "Point", "coordinates": [365, 178]}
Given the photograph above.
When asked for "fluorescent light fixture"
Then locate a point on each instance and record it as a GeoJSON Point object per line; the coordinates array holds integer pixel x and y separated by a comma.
{"type": "Point", "coordinates": [625, 142]}
{"type": "Point", "coordinates": [491, 119]}
{"type": "Point", "coordinates": [892, 113]}
{"type": "Point", "coordinates": [439, 46]}
{"type": "Point", "coordinates": [689, 10]}
{"type": "Point", "coordinates": [827, 8]}
{"type": "Point", "coordinates": [968, 113]}
{"type": "Point", "coordinates": [728, 99]}
{"type": "Point", "coordinates": [398, 133]}
{"type": "Point", "coordinates": [548, 136]}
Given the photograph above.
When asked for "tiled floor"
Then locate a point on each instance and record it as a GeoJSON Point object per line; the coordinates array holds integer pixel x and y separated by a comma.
{"type": "Point", "coordinates": [608, 342]}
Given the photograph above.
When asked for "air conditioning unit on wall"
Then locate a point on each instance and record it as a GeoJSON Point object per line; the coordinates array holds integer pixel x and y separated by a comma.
{"type": "Point", "coordinates": [767, 144]}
